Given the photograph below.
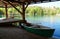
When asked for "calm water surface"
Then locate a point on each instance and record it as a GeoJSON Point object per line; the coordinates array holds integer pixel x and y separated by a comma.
{"type": "Point", "coordinates": [50, 21]}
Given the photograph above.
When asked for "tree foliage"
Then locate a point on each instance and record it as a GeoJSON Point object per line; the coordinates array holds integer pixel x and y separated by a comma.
{"type": "Point", "coordinates": [39, 11]}
{"type": "Point", "coordinates": [1, 13]}
{"type": "Point", "coordinates": [33, 11]}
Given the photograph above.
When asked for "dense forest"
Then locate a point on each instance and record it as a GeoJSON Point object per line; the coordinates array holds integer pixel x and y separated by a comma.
{"type": "Point", "coordinates": [32, 11]}
{"type": "Point", "coordinates": [39, 11]}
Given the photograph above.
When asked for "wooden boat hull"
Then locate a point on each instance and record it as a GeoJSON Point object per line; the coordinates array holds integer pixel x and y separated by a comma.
{"type": "Point", "coordinates": [40, 31]}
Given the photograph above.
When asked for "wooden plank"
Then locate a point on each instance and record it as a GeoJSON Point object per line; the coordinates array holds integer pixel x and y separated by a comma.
{"type": "Point", "coordinates": [12, 20]}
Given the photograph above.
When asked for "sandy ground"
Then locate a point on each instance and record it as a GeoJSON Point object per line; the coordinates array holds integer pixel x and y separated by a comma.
{"type": "Point", "coordinates": [18, 33]}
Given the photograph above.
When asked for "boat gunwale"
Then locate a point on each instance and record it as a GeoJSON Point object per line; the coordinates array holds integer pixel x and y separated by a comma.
{"type": "Point", "coordinates": [40, 27]}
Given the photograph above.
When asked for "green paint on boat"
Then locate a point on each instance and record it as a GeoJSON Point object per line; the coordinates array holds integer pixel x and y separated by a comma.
{"type": "Point", "coordinates": [42, 31]}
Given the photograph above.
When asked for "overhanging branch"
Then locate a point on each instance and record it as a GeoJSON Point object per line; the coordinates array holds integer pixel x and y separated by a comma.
{"type": "Point", "coordinates": [15, 7]}
{"type": "Point", "coordinates": [26, 6]}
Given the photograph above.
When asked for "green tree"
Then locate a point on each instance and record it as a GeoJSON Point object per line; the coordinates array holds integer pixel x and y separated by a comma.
{"type": "Point", "coordinates": [34, 11]}
{"type": "Point", "coordinates": [1, 13]}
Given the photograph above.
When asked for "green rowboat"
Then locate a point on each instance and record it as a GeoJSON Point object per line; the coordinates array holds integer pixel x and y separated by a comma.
{"type": "Point", "coordinates": [39, 30]}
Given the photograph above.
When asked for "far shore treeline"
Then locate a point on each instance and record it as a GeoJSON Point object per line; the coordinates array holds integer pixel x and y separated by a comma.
{"type": "Point", "coordinates": [32, 11]}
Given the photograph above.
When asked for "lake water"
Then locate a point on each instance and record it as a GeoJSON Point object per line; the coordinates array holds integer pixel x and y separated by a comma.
{"type": "Point", "coordinates": [50, 21]}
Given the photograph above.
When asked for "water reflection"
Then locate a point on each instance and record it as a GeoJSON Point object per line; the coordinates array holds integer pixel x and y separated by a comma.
{"type": "Point", "coordinates": [50, 21]}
